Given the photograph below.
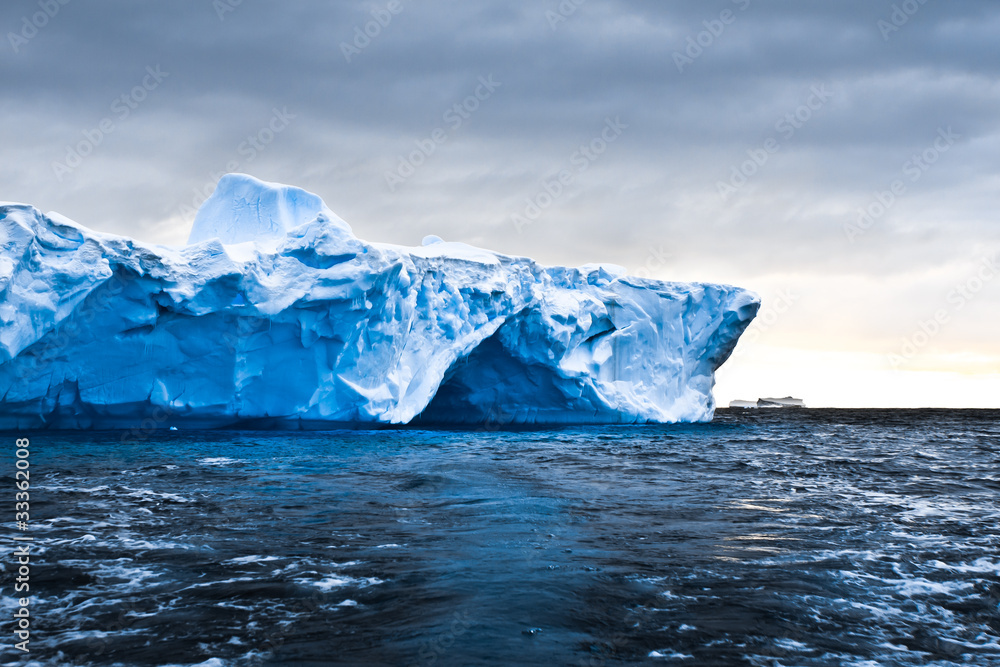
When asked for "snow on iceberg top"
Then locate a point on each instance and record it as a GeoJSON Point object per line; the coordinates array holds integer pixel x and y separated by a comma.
{"type": "Point", "coordinates": [243, 208]}
{"type": "Point", "coordinates": [244, 211]}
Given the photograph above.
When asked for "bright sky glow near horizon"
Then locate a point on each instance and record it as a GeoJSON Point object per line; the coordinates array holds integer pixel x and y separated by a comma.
{"type": "Point", "coordinates": [841, 159]}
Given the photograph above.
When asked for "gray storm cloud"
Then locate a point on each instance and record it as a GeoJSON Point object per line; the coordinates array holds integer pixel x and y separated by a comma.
{"type": "Point", "coordinates": [729, 166]}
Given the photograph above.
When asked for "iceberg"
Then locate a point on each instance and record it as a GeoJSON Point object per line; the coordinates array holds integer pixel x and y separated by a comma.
{"type": "Point", "coordinates": [275, 315]}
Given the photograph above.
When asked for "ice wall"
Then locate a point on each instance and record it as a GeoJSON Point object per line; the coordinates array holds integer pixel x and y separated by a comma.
{"type": "Point", "coordinates": [275, 314]}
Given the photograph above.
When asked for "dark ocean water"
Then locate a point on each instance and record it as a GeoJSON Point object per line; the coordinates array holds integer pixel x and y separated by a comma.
{"type": "Point", "coordinates": [764, 538]}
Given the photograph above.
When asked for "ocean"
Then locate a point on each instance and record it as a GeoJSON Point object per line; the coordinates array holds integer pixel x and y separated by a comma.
{"type": "Point", "coordinates": [765, 538]}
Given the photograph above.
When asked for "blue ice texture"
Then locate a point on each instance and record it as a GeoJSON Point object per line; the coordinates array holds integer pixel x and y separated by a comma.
{"type": "Point", "coordinates": [275, 315]}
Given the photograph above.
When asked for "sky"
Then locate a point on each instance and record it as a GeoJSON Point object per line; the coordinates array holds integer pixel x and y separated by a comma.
{"type": "Point", "coordinates": [841, 158]}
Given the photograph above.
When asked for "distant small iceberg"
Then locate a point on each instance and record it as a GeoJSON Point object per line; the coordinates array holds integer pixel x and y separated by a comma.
{"type": "Point", "coordinates": [786, 402]}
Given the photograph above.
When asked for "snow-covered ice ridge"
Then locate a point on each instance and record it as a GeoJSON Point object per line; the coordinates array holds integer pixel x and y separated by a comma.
{"type": "Point", "coordinates": [275, 314]}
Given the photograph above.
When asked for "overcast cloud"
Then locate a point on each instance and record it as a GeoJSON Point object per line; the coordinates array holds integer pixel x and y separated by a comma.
{"type": "Point", "coordinates": [819, 107]}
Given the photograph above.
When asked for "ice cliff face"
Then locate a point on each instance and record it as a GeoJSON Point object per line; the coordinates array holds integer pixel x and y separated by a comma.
{"type": "Point", "coordinates": [275, 314]}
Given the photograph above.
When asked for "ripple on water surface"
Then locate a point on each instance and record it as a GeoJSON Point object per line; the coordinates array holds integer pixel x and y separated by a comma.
{"type": "Point", "coordinates": [782, 538]}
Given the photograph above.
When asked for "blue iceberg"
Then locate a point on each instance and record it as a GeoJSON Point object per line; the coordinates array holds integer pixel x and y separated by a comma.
{"type": "Point", "coordinates": [276, 315]}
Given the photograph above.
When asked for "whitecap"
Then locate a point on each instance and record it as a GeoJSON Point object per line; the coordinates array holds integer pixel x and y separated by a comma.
{"type": "Point", "coordinates": [218, 461]}
{"type": "Point", "coordinates": [669, 655]}
{"type": "Point", "coordinates": [242, 560]}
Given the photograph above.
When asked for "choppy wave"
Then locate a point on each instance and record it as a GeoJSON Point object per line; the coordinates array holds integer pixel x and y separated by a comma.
{"type": "Point", "coordinates": [787, 538]}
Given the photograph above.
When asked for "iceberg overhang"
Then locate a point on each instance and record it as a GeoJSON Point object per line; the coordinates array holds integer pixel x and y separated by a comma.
{"type": "Point", "coordinates": [275, 314]}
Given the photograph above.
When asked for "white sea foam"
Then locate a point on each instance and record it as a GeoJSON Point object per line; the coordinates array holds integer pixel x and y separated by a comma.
{"type": "Point", "coordinates": [149, 493]}
{"type": "Point", "coordinates": [791, 645]}
{"type": "Point", "coordinates": [330, 582]}
{"type": "Point", "coordinates": [979, 566]}
{"type": "Point", "coordinates": [252, 559]}
{"type": "Point", "coordinates": [211, 662]}
{"type": "Point", "coordinates": [667, 654]}
{"type": "Point", "coordinates": [219, 461]}
{"type": "Point", "coordinates": [234, 580]}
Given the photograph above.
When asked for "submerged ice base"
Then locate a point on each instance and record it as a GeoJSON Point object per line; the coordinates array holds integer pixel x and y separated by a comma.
{"type": "Point", "coordinates": [276, 314]}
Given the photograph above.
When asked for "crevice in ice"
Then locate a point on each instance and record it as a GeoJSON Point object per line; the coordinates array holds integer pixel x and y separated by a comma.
{"type": "Point", "coordinates": [491, 385]}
